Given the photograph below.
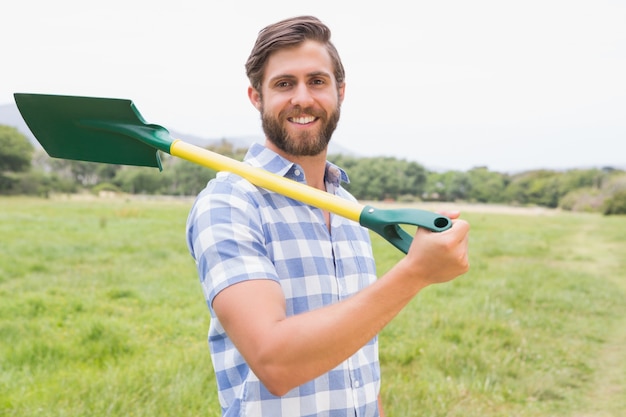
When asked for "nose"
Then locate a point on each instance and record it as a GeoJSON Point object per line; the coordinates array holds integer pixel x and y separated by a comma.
{"type": "Point", "coordinates": [302, 96]}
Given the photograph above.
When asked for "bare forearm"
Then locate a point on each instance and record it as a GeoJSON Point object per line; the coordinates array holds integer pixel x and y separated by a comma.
{"type": "Point", "coordinates": [315, 342]}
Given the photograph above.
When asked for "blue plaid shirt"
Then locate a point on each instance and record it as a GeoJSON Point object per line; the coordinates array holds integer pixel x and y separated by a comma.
{"type": "Point", "coordinates": [238, 232]}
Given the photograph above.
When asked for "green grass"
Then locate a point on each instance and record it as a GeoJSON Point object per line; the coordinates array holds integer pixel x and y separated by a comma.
{"type": "Point", "coordinates": [101, 314]}
{"type": "Point", "coordinates": [523, 333]}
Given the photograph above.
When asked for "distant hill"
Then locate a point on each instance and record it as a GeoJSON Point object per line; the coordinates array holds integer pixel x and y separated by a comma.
{"type": "Point", "coordinates": [10, 116]}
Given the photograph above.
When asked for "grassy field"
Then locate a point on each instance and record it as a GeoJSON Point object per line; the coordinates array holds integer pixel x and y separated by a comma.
{"type": "Point", "coordinates": [101, 314]}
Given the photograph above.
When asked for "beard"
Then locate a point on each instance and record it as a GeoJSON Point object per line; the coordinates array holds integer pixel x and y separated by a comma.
{"type": "Point", "coordinates": [307, 143]}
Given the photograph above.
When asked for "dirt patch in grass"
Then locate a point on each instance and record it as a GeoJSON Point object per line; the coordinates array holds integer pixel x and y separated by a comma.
{"type": "Point", "coordinates": [470, 207]}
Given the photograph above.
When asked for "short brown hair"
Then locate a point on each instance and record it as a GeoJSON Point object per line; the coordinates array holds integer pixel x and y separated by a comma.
{"type": "Point", "coordinates": [288, 33]}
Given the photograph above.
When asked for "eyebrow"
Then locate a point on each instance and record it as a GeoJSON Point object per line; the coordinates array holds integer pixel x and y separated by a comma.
{"type": "Point", "coordinates": [309, 75]}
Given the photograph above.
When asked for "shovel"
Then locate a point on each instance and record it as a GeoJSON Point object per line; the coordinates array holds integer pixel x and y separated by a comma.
{"type": "Point", "coordinates": [111, 130]}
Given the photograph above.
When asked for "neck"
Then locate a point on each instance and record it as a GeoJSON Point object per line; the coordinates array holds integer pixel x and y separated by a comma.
{"type": "Point", "coordinates": [314, 166]}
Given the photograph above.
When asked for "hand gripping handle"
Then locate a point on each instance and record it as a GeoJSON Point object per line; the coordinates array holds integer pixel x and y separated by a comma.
{"type": "Point", "coordinates": [387, 223]}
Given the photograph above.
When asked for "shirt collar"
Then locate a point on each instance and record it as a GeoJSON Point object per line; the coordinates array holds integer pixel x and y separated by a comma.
{"type": "Point", "coordinates": [261, 157]}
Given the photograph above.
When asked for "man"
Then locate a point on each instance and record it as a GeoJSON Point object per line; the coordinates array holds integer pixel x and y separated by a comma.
{"type": "Point", "coordinates": [295, 303]}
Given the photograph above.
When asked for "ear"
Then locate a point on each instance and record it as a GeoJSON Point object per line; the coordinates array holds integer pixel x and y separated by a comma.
{"type": "Point", "coordinates": [255, 97]}
{"type": "Point", "coordinates": [342, 92]}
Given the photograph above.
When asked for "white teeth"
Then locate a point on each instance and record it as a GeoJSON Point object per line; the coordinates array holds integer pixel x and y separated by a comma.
{"type": "Point", "coordinates": [302, 120]}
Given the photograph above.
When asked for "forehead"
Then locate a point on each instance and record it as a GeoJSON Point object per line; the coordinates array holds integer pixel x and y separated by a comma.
{"type": "Point", "coordinates": [307, 58]}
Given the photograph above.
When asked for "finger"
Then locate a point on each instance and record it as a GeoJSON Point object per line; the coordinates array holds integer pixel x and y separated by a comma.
{"type": "Point", "coordinates": [452, 214]}
{"type": "Point", "coordinates": [461, 227]}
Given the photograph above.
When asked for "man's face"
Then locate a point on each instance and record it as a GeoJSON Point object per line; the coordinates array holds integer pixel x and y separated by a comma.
{"type": "Point", "coordinates": [300, 105]}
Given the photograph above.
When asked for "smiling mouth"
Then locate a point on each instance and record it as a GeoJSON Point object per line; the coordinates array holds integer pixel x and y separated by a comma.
{"type": "Point", "coordinates": [302, 120]}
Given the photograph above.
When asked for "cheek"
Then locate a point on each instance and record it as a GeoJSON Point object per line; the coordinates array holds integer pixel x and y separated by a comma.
{"type": "Point", "coordinates": [329, 100]}
{"type": "Point", "coordinates": [272, 105]}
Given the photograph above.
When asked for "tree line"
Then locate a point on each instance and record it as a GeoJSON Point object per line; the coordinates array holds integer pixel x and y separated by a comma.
{"type": "Point", "coordinates": [25, 170]}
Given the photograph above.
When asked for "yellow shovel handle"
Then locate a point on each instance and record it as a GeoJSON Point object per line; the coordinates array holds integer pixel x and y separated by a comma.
{"type": "Point", "coordinates": [269, 181]}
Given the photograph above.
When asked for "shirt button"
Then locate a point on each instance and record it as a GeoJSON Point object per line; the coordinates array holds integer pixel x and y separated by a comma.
{"type": "Point", "coordinates": [357, 384]}
{"type": "Point", "coordinates": [297, 172]}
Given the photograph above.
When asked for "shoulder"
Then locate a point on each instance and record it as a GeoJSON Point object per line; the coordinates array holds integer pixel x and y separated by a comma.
{"type": "Point", "coordinates": [230, 189]}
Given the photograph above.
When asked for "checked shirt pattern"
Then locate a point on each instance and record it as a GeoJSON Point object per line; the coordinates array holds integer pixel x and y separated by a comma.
{"type": "Point", "coordinates": [238, 232]}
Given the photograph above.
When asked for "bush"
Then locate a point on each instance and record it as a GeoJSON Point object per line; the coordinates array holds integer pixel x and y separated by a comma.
{"type": "Point", "coordinates": [585, 199]}
{"type": "Point", "coordinates": [141, 180]}
{"type": "Point", "coordinates": [616, 204]}
{"type": "Point", "coordinates": [105, 186]}
{"type": "Point", "coordinates": [34, 182]}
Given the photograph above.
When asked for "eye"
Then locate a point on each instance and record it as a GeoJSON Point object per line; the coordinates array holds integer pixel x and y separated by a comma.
{"type": "Point", "coordinates": [317, 81]}
{"type": "Point", "coordinates": [283, 84]}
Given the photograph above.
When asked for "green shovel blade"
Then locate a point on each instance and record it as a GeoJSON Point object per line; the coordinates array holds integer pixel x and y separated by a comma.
{"type": "Point", "coordinates": [98, 129]}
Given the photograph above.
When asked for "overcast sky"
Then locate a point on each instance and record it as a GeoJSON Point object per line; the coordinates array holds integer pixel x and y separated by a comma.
{"type": "Point", "coordinates": [511, 85]}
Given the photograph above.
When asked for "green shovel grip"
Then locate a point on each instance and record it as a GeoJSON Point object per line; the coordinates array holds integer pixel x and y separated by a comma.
{"type": "Point", "coordinates": [387, 223]}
